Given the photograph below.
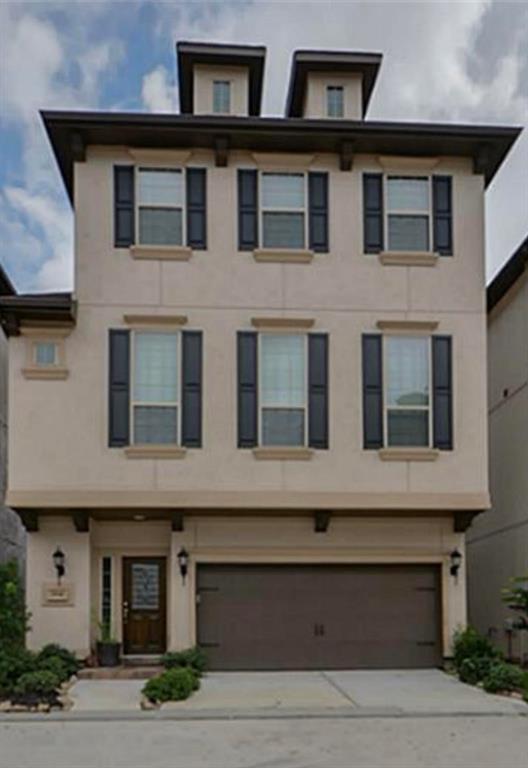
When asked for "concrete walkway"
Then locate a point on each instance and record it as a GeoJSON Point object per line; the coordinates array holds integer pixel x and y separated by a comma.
{"type": "Point", "coordinates": [293, 694]}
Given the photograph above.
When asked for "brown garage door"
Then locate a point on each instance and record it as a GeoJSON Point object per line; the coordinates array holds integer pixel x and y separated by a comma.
{"type": "Point", "coordinates": [319, 616]}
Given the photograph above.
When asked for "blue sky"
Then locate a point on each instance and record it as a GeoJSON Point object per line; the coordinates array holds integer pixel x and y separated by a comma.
{"type": "Point", "coordinates": [453, 62]}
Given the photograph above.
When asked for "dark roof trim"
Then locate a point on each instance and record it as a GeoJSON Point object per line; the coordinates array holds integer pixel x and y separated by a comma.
{"type": "Point", "coordinates": [304, 62]}
{"type": "Point", "coordinates": [508, 275]}
{"type": "Point", "coordinates": [6, 286]}
{"type": "Point", "coordinates": [487, 145]}
{"type": "Point", "coordinates": [250, 56]}
{"type": "Point", "coordinates": [36, 308]}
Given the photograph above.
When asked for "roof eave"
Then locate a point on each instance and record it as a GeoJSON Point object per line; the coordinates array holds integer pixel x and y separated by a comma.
{"type": "Point", "coordinates": [50, 310]}
{"type": "Point", "coordinates": [508, 276]}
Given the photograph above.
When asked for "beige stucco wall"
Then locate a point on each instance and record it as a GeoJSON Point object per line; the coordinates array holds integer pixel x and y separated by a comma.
{"type": "Point", "coordinates": [203, 78]}
{"type": "Point", "coordinates": [498, 541]}
{"type": "Point", "coordinates": [220, 290]}
{"type": "Point", "coordinates": [224, 539]}
{"type": "Point", "coordinates": [315, 94]}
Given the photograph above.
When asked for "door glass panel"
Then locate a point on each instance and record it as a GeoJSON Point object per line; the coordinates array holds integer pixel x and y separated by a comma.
{"type": "Point", "coordinates": [145, 587]}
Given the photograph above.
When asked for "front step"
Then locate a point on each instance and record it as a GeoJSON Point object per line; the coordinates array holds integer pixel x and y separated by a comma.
{"type": "Point", "coordinates": [119, 673]}
{"type": "Point", "coordinates": [136, 660]}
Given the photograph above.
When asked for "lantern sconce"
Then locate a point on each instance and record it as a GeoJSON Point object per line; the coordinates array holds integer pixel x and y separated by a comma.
{"type": "Point", "coordinates": [183, 562]}
{"type": "Point", "coordinates": [456, 561]}
{"type": "Point", "coordinates": [59, 563]}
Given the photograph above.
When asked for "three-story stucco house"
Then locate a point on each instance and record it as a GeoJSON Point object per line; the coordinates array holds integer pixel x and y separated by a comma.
{"type": "Point", "coordinates": [498, 541]}
{"type": "Point", "coordinates": [259, 421]}
{"type": "Point", "coordinates": [12, 534]}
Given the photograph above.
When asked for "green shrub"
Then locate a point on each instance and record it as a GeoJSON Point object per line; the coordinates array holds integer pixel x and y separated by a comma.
{"type": "Point", "coordinates": [173, 685]}
{"type": "Point", "coordinates": [468, 643]}
{"type": "Point", "coordinates": [194, 658]}
{"type": "Point", "coordinates": [41, 684]}
{"type": "Point", "coordinates": [55, 665]}
{"type": "Point", "coordinates": [474, 669]}
{"type": "Point", "coordinates": [14, 662]}
{"type": "Point", "coordinates": [68, 660]}
{"type": "Point", "coordinates": [503, 677]}
{"type": "Point", "coordinates": [13, 615]}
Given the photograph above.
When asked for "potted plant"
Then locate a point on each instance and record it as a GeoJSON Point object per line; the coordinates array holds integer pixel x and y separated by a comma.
{"type": "Point", "coordinates": [108, 648]}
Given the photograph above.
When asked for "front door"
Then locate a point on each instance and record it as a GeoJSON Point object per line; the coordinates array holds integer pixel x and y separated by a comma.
{"type": "Point", "coordinates": [144, 605]}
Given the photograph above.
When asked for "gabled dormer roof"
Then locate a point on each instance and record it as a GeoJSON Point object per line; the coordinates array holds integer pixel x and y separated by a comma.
{"type": "Point", "coordinates": [366, 64]}
{"type": "Point", "coordinates": [216, 54]}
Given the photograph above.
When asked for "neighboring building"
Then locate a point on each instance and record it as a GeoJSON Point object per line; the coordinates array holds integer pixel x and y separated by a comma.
{"type": "Point", "coordinates": [12, 534]}
{"type": "Point", "coordinates": [259, 422]}
{"type": "Point", "coordinates": [498, 541]}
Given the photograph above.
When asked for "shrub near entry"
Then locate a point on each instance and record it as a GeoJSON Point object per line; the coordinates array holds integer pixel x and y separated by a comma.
{"type": "Point", "coordinates": [173, 685]}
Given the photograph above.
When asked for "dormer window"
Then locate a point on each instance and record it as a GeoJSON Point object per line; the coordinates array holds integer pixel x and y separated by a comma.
{"type": "Point", "coordinates": [335, 102]}
{"type": "Point", "coordinates": [221, 97]}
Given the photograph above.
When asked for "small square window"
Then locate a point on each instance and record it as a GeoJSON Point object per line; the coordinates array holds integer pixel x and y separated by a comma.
{"type": "Point", "coordinates": [335, 106]}
{"type": "Point", "coordinates": [221, 97]}
{"type": "Point", "coordinates": [45, 353]}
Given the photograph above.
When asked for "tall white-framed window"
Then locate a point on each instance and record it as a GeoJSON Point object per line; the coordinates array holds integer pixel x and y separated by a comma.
{"type": "Point", "coordinates": [221, 97]}
{"type": "Point", "coordinates": [156, 391]}
{"type": "Point", "coordinates": [160, 203]}
{"type": "Point", "coordinates": [335, 101]}
{"type": "Point", "coordinates": [283, 389]}
{"type": "Point", "coordinates": [408, 218]}
{"type": "Point", "coordinates": [407, 390]}
{"type": "Point", "coordinates": [283, 210]}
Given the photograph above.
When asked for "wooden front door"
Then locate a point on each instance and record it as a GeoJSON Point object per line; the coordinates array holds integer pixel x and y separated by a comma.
{"type": "Point", "coordinates": [144, 605]}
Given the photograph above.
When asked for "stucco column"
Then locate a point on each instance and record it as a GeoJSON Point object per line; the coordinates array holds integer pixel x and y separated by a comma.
{"type": "Point", "coordinates": [455, 606]}
{"type": "Point", "coordinates": [66, 621]}
{"type": "Point", "coordinates": [182, 605]}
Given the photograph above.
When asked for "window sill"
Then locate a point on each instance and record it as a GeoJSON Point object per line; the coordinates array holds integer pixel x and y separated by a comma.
{"type": "Point", "coordinates": [408, 258]}
{"type": "Point", "coordinates": [161, 252]}
{"type": "Point", "coordinates": [56, 372]}
{"type": "Point", "coordinates": [147, 451]}
{"type": "Point", "coordinates": [282, 453]}
{"type": "Point", "coordinates": [283, 255]}
{"type": "Point", "coordinates": [408, 454]}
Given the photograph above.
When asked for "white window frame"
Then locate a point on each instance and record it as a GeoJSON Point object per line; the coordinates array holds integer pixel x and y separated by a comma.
{"type": "Point", "coordinates": [154, 404]}
{"type": "Point", "coordinates": [56, 355]}
{"type": "Point", "coordinates": [228, 83]}
{"type": "Point", "coordinates": [400, 212]}
{"type": "Point", "coordinates": [335, 86]}
{"type": "Point", "coordinates": [268, 209]}
{"type": "Point", "coordinates": [138, 205]}
{"type": "Point", "coordinates": [387, 407]}
{"type": "Point", "coordinates": [280, 406]}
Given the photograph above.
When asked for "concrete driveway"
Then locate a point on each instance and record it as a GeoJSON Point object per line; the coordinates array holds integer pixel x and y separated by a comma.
{"type": "Point", "coordinates": [282, 694]}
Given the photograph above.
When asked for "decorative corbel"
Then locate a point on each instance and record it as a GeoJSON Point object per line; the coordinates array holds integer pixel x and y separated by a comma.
{"type": "Point", "coordinates": [81, 520]}
{"type": "Point", "coordinates": [177, 521]}
{"type": "Point", "coordinates": [346, 156]}
{"type": "Point", "coordinates": [463, 519]}
{"type": "Point", "coordinates": [221, 148]}
{"type": "Point", "coordinates": [78, 148]}
{"type": "Point", "coordinates": [321, 520]}
{"type": "Point", "coordinates": [30, 519]}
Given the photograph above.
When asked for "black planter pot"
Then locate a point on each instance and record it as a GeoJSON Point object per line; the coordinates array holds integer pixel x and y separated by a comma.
{"type": "Point", "coordinates": [108, 654]}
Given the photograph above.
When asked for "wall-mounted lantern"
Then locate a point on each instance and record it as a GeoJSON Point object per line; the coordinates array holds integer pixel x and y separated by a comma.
{"type": "Point", "coordinates": [183, 562]}
{"type": "Point", "coordinates": [59, 560]}
{"type": "Point", "coordinates": [456, 561]}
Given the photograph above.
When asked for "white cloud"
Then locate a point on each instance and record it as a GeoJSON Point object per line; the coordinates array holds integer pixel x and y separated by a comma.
{"type": "Point", "coordinates": [157, 93]}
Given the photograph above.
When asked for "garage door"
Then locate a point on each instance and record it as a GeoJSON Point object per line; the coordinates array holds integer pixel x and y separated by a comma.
{"type": "Point", "coordinates": [319, 616]}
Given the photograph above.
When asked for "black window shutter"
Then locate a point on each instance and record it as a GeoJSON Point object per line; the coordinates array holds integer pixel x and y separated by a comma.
{"type": "Point", "coordinates": [119, 389]}
{"type": "Point", "coordinates": [442, 215]}
{"type": "Point", "coordinates": [196, 208]}
{"type": "Point", "coordinates": [123, 205]}
{"type": "Point", "coordinates": [318, 211]}
{"type": "Point", "coordinates": [191, 432]}
{"type": "Point", "coordinates": [442, 393]}
{"type": "Point", "coordinates": [247, 210]}
{"type": "Point", "coordinates": [372, 212]}
{"type": "Point", "coordinates": [372, 391]}
{"type": "Point", "coordinates": [318, 390]}
{"type": "Point", "coordinates": [247, 389]}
